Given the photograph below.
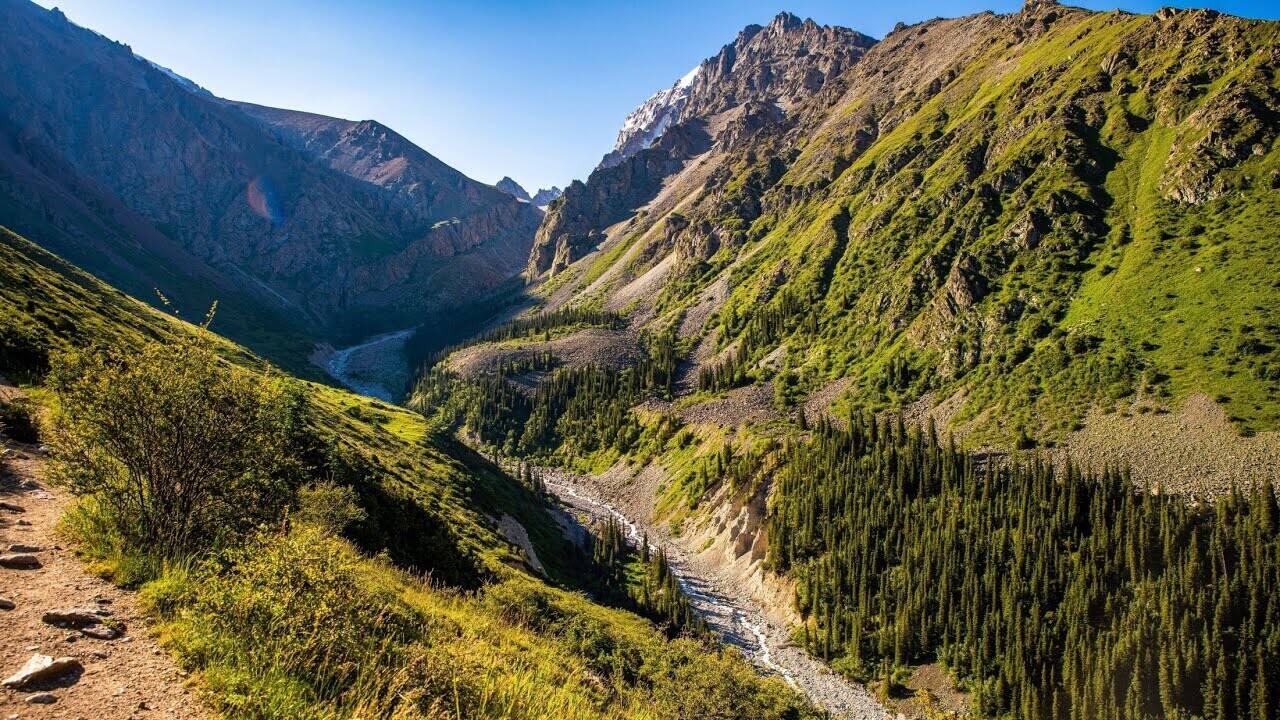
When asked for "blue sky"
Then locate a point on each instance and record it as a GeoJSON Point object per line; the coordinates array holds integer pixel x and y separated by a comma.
{"type": "Point", "coordinates": [535, 90]}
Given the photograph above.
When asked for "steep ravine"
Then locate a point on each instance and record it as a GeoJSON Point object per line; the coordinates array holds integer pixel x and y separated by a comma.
{"type": "Point", "coordinates": [736, 618]}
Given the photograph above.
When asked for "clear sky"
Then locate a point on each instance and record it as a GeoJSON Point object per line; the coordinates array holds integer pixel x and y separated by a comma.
{"type": "Point", "coordinates": [534, 90]}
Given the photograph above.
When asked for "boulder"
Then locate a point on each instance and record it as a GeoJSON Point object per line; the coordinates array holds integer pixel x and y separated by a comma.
{"type": "Point", "coordinates": [40, 668]}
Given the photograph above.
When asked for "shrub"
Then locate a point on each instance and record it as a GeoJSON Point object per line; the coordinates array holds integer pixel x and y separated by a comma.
{"type": "Point", "coordinates": [179, 450]}
{"type": "Point", "coordinates": [329, 507]}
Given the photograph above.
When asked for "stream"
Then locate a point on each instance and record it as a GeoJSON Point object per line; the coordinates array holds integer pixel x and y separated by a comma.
{"type": "Point", "coordinates": [738, 620]}
{"type": "Point", "coordinates": [363, 368]}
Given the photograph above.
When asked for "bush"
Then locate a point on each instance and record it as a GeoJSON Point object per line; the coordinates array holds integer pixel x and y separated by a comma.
{"type": "Point", "coordinates": [180, 451]}
{"type": "Point", "coordinates": [329, 507]}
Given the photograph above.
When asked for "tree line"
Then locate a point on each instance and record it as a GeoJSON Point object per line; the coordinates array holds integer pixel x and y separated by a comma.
{"type": "Point", "coordinates": [1048, 592]}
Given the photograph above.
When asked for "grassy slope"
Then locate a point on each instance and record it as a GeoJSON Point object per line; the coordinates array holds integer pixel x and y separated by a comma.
{"type": "Point", "coordinates": [1125, 291]}
{"type": "Point", "coordinates": [394, 641]}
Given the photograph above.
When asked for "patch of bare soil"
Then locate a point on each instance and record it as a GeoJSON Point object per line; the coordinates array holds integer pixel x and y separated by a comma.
{"type": "Point", "coordinates": [1194, 449]}
{"type": "Point", "coordinates": [753, 403]}
{"type": "Point", "coordinates": [933, 693]}
{"type": "Point", "coordinates": [593, 346]}
{"type": "Point", "coordinates": [515, 534]}
{"type": "Point", "coordinates": [125, 677]}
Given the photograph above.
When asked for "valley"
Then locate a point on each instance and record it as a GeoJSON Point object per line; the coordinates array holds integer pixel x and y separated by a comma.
{"type": "Point", "coordinates": [926, 376]}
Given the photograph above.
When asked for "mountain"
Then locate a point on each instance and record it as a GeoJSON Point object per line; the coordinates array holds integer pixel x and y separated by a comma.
{"type": "Point", "coordinates": [1013, 224]}
{"type": "Point", "coordinates": [304, 226]}
{"type": "Point", "coordinates": [752, 83]}
{"type": "Point", "coordinates": [512, 188]}
{"type": "Point", "coordinates": [963, 361]}
{"type": "Point", "coordinates": [541, 199]}
{"type": "Point", "coordinates": [647, 122]}
{"type": "Point", "coordinates": [544, 196]}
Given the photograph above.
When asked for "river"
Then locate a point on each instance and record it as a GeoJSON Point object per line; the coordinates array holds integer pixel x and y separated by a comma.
{"type": "Point", "coordinates": [376, 367]}
{"type": "Point", "coordinates": [738, 620]}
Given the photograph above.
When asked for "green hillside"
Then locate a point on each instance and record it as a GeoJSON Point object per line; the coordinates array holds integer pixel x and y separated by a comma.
{"type": "Point", "coordinates": [1070, 218]}
{"type": "Point", "coordinates": [397, 598]}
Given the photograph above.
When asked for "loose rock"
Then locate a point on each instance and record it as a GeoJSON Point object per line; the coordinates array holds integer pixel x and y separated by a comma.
{"type": "Point", "coordinates": [100, 632]}
{"type": "Point", "coordinates": [41, 667]}
{"type": "Point", "coordinates": [10, 507]}
{"type": "Point", "coordinates": [74, 617]}
{"type": "Point", "coordinates": [42, 699]}
{"type": "Point", "coordinates": [7, 604]}
{"type": "Point", "coordinates": [19, 561]}
{"type": "Point", "coordinates": [19, 548]}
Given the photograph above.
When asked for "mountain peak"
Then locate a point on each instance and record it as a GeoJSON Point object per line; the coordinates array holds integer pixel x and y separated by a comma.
{"type": "Point", "coordinates": [512, 188]}
{"type": "Point", "coordinates": [786, 21]}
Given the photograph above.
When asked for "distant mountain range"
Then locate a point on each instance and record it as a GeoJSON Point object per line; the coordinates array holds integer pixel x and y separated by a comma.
{"type": "Point", "coordinates": [540, 199]}
{"type": "Point", "coordinates": [305, 227]}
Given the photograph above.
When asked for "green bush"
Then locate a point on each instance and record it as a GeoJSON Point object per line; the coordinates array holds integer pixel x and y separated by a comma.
{"type": "Point", "coordinates": [180, 451]}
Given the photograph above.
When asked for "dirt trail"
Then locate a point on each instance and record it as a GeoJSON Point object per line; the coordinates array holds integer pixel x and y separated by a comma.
{"type": "Point", "coordinates": [126, 677]}
{"type": "Point", "coordinates": [733, 616]}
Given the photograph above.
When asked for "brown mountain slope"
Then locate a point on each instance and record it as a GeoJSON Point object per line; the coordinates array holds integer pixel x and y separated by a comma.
{"type": "Point", "coordinates": [343, 228]}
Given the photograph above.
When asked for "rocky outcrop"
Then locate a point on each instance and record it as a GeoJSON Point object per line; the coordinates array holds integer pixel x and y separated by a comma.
{"type": "Point", "coordinates": [726, 101]}
{"type": "Point", "coordinates": [512, 188]}
{"type": "Point", "coordinates": [128, 172]}
{"type": "Point", "coordinates": [575, 223]}
{"type": "Point", "coordinates": [644, 125]}
{"type": "Point", "coordinates": [544, 196]}
{"type": "Point", "coordinates": [783, 62]}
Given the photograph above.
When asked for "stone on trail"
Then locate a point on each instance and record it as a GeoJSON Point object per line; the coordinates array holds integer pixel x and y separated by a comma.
{"type": "Point", "coordinates": [42, 699]}
{"type": "Point", "coordinates": [19, 561]}
{"type": "Point", "coordinates": [19, 548]}
{"type": "Point", "coordinates": [7, 604]}
{"type": "Point", "coordinates": [100, 632]}
{"type": "Point", "coordinates": [11, 507]}
{"type": "Point", "coordinates": [74, 617]}
{"type": "Point", "coordinates": [39, 668]}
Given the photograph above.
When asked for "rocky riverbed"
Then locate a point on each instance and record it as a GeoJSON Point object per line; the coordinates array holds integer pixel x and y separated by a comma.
{"type": "Point", "coordinates": [738, 620]}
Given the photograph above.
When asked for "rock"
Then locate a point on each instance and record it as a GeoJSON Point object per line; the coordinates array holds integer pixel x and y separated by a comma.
{"type": "Point", "coordinates": [39, 668]}
{"type": "Point", "coordinates": [10, 507]}
{"type": "Point", "coordinates": [100, 632]}
{"type": "Point", "coordinates": [42, 699]}
{"type": "Point", "coordinates": [19, 548]}
{"type": "Point", "coordinates": [74, 617]}
{"type": "Point", "coordinates": [24, 523]}
{"type": "Point", "coordinates": [100, 655]}
{"type": "Point", "coordinates": [19, 561]}
{"type": "Point", "coordinates": [7, 604]}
